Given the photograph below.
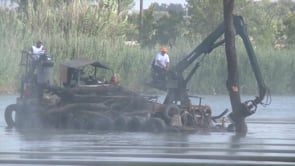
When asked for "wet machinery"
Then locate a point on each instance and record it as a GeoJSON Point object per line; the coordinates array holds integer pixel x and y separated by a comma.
{"type": "Point", "coordinates": [35, 76]}
{"type": "Point", "coordinates": [175, 82]}
{"type": "Point", "coordinates": [86, 100]}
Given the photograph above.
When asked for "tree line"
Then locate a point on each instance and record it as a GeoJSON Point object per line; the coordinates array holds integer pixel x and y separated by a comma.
{"type": "Point", "coordinates": [269, 23]}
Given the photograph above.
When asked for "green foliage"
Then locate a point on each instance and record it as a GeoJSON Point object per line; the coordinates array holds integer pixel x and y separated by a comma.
{"type": "Point", "coordinates": [74, 29]}
{"type": "Point", "coordinates": [46, 17]}
{"type": "Point", "coordinates": [148, 31]}
{"type": "Point", "coordinates": [205, 15]}
{"type": "Point", "coordinates": [161, 25]}
{"type": "Point", "coordinates": [166, 33]}
{"type": "Point", "coordinates": [289, 23]}
{"type": "Point", "coordinates": [277, 67]}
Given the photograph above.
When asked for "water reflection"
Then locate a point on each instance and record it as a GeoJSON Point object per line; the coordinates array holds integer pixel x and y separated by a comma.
{"type": "Point", "coordinates": [235, 142]}
{"type": "Point", "coordinates": [271, 139]}
{"type": "Point", "coordinates": [176, 140]}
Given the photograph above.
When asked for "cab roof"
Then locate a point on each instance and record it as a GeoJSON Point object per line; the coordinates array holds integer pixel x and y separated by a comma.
{"type": "Point", "coordinates": [79, 63]}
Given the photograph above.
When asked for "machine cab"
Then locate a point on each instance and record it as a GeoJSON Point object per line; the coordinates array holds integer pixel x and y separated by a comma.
{"type": "Point", "coordinates": [81, 72]}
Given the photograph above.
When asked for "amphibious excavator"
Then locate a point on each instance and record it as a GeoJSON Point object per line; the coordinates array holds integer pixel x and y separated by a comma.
{"type": "Point", "coordinates": [84, 99]}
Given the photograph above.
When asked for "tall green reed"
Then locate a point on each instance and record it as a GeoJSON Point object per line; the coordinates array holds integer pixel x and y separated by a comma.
{"type": "Point", "coordinates": [75, 31]}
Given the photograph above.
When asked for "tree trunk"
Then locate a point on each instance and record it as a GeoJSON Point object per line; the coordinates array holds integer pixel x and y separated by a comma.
{"type": "Point", "coordinates": [119, 7]}
{"type": "Point", "coordinates": [141, 14]}
{"type": "Point", "coordinates": [233, 75]}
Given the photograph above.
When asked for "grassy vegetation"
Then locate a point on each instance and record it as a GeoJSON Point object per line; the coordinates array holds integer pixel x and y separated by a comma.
{"type": "Point", "coordinates": [132, 63]}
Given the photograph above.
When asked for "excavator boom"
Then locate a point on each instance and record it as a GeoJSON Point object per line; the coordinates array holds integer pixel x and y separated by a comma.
{"type": "Point", "coordinates": [176, 83]}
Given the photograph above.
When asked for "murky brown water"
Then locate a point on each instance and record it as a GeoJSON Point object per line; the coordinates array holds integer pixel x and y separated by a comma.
{"type": "Point", "coordinates": [270, 141]}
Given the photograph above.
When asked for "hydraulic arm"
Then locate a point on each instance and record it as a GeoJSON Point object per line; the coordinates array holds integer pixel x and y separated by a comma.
{"type": "Point", "coordinates": [176, 84]}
